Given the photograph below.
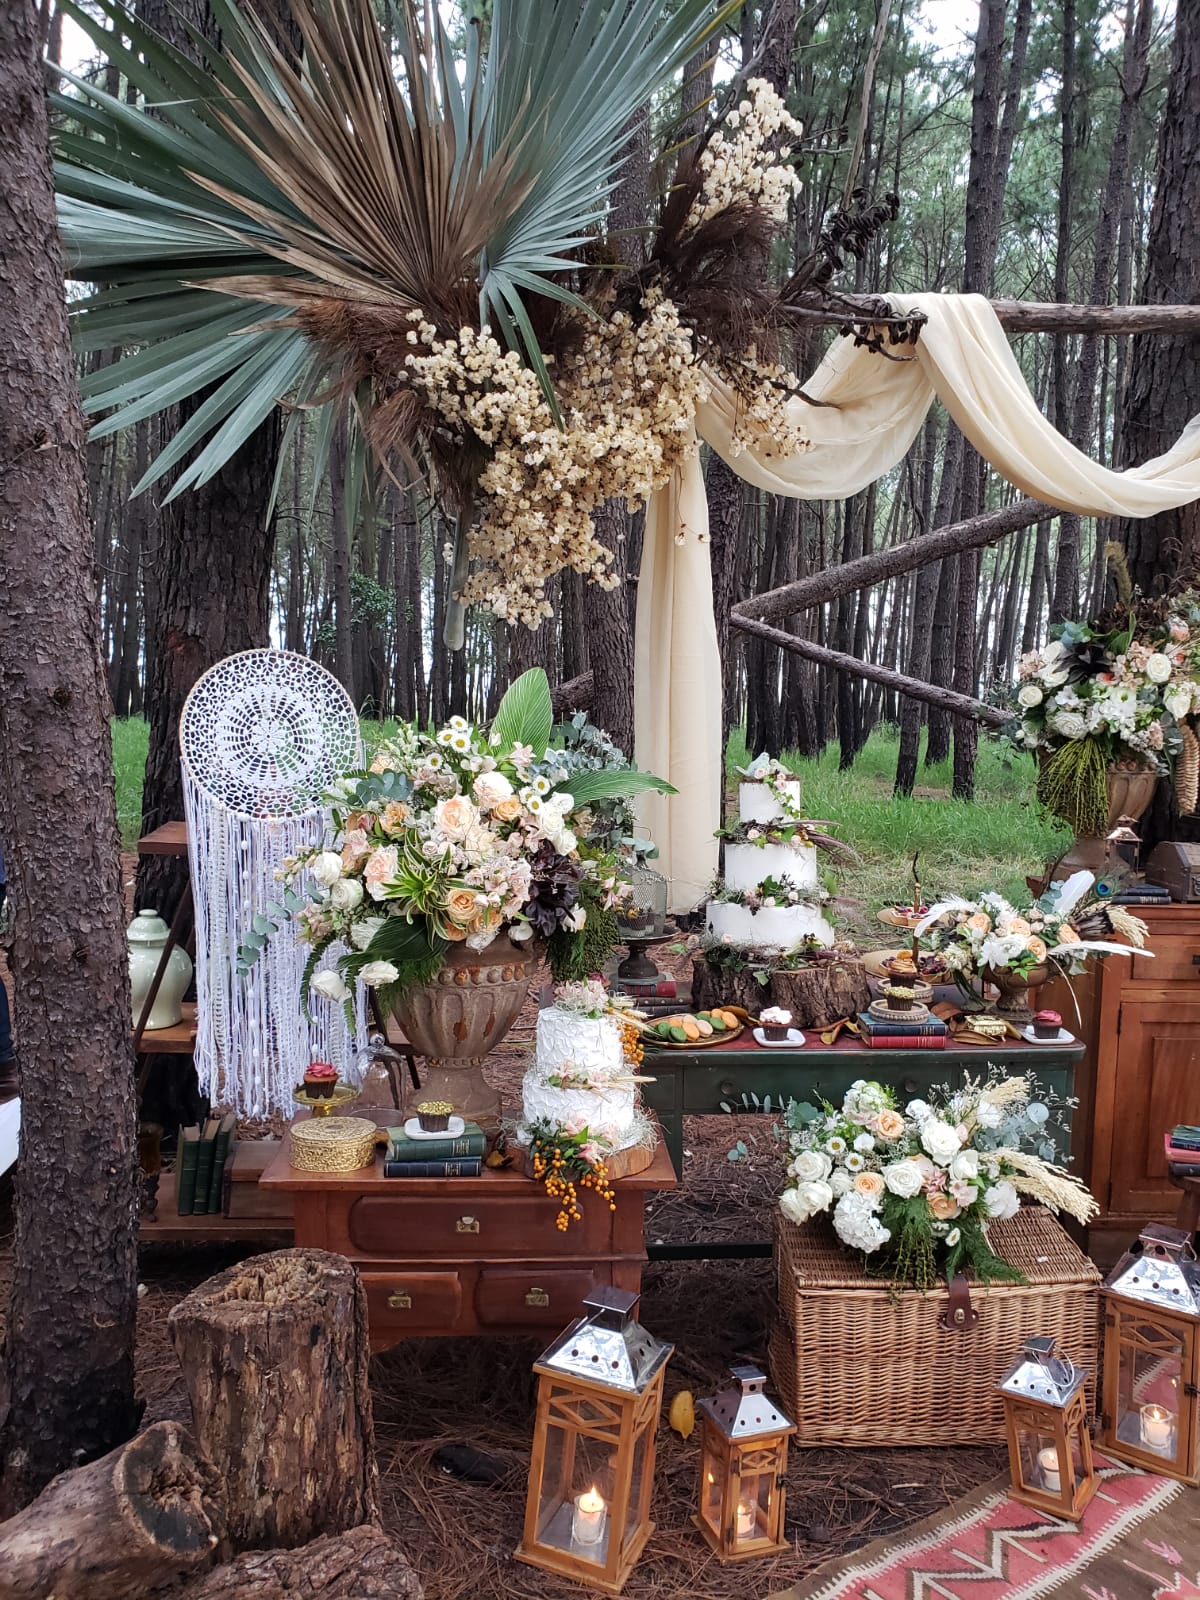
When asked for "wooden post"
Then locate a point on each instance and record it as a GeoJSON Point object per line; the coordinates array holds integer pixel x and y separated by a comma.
{"type": "Point", "coordinates": [118, 1528]}
{"type": "Point", "coordinates": [275, 1353]}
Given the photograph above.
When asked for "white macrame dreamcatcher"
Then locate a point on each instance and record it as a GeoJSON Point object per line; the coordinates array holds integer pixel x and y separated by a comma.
{"type": "Point", "coordinates": [263, 737]}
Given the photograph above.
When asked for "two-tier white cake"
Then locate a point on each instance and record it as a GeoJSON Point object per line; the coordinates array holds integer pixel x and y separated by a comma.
{"type": "Point", "coordinates": [579, 1078]}
{"type": "Point", "coordinates": [776, 881]}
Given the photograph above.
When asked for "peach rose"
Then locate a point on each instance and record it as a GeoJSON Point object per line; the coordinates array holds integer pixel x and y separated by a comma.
{"type": "Point", "coordinates": [462, 908]}
{"type": "Point", "coordinates": [506, 810]}
{"type": "Point", "coordinates": [453, 934]}
{"type": "Point", "coordinates": [455, 817]}
{"type": "Point", "coordinates": [1067, 934]}
{"type": "Point", "coordinates": [888, 1124]}
{"type": "Point", "coordinates": [870, 1185]}
{"type": "Point", "coordinates": [1037, 948]}
{"type": "Point", "coordinates": [395, 817]}
{"type": "Point", "coordinates": [355, 849]}
{"type": "Point", "coordinates": [1019, 925]}
{"type": "Point", "coordinates": [980, 922]}
{"type": "Point", "coordinates": [380, 870]}
{"type": "Point", "coordinates": [943, 1206]}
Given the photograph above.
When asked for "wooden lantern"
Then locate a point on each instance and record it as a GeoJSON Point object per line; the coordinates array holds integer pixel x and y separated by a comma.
{"type": "Point", "coordinates": [743, 1461]}
{"type": "Point", "coordinates": [587, 1515]}
{"type": "Point", "coordinates": [1151, 1366]}
{"type": "Point", "coordinates": [1049, 1446]}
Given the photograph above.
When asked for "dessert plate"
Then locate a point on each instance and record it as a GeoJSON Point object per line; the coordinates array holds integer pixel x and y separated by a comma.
{"type": "Point", "coordinates": [454, 1129]}
{"type": "Point", "coordinates": [793, 1041]}
{"type": "Point", "coordinates": [1062, 1037]}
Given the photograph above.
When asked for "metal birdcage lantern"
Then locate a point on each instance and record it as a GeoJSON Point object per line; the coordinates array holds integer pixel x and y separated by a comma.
{"type": "Point", "coordinates": [1046, 1418]}
{"type": "Point", "coordinates": [587, 1514]}
{"type": "Point", "coordinates": [1151, 1360]}
{"type": "Point", "coordinates": [743, 1461]}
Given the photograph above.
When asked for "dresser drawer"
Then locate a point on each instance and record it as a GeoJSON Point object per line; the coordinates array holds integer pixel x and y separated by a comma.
{"type": "Point", "coordinates": [519, 1227]}
{"type": "Point", "coordinates": [534, 1297]}
{"type": "Point", "coordinates": [413, 1301]}
{"type": "Point", "coordinates": [1174, 961]}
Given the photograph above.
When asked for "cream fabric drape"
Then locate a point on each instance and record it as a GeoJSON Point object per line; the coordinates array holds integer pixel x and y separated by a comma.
{"type": "Point", "coordinates": [873, 410]}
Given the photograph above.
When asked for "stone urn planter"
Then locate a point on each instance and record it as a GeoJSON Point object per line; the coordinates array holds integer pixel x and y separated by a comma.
{"type": "Point", "coordinates": [460, 1015]}
{"type": "Point", "coordinates": [1130, 791]}
{"type": "Point", "coordinates": [1013, 1003]}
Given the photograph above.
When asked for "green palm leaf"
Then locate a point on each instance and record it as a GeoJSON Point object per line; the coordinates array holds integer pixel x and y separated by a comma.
{"type": "Point", "coordinates": [525, 714]}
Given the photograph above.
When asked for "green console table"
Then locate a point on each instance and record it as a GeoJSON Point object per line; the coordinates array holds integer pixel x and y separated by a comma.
{"type": "Point", "coordinates": [702, 1082]}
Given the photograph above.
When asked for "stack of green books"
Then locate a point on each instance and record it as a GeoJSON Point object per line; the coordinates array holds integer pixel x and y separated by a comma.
{"type": "Point", "coordinates": [460, 1156]}
{"type": "Point", "coordinates": [201, 1157]}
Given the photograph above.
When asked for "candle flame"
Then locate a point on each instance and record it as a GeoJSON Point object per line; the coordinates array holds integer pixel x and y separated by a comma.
{"type": "Point", "coordinates": [592, 1500]}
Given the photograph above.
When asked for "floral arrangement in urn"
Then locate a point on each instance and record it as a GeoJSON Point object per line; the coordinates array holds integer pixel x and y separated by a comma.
{"type": "Point", "coordinates": [1119, 693]}
{"type": "Point", "coordinates": [919, 1186]}
{"type": "Point", "coordinates": [458, 837]}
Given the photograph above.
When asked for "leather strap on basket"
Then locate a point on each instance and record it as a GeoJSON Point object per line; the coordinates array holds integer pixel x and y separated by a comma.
{"type": "Point", "coordinates": [958, 1314]}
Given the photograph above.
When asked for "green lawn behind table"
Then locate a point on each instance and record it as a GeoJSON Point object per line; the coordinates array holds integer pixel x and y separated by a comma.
{"type": "Point", "coordinates": [990, 844]}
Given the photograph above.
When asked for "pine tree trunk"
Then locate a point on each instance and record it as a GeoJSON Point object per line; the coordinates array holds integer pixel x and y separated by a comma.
{"type": "Point", "coordinates": [68, 1353]}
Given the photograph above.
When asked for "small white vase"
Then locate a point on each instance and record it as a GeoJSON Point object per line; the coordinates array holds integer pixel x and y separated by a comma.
{"type": "Point", "coordinates": [148, 935]}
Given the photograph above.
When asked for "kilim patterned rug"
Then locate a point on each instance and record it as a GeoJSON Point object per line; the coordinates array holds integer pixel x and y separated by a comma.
{"type": "Point", "coordinates": [1139, 1540]}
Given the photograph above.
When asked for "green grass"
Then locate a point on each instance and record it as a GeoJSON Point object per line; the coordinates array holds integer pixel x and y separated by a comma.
{"type": "Point", "coordinates": [990, 844]}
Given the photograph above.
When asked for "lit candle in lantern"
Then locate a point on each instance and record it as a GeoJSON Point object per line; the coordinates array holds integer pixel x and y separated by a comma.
{"type": "Point", "coordinates": [746, 1524]}
{"type": "Point", "coordinates": [589, 1517]}
{"type": "Point", "coordinates": [1051, 1469]}
{"type": "Point", "coordinates": [1157, 1423]}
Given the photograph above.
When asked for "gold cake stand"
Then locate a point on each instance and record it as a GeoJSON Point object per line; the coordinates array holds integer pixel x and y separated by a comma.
{"type": "Point", "coordinates": [324, 1105]}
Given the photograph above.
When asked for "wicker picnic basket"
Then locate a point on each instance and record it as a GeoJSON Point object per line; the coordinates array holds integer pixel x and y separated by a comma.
{"type": "Point", "coordinates": [857, 1363]}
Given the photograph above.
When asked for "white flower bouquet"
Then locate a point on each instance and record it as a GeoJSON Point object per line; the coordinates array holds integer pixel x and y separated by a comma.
{"type": "Point", "coordinates": [457, 837]}
{"type": "Point", "coordinates": [919, 1186]}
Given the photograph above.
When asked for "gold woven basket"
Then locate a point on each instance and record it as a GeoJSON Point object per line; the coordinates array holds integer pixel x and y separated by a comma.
{"type": "Point", "coordinates": [332, 1144]}
{"type": "Point", "coordinates": [858, 1364]}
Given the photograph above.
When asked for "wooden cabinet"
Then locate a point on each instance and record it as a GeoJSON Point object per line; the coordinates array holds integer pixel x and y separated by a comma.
{"type": "Point", "coordinates": [1140, 1019]}
{"type": "Point", "coordinates": [444, 1256]}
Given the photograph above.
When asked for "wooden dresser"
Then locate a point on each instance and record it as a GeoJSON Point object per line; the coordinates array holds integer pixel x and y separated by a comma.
{"type": "Point", "coordinates": [479, 1255]}
{"type": "Point", "coordinates": [1141, 1076]}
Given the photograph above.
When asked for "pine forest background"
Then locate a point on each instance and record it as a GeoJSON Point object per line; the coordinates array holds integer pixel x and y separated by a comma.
{"type": "Point", "coordinates": [1025, 144]}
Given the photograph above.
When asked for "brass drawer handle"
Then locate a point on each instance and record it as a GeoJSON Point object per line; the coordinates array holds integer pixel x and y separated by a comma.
{"type": "Point", "coordinates": [467, 1225]}
{"type": "Point", "coordinates": [400, 1300]}
{"type": "Point", "coordinates": [537, 1297]}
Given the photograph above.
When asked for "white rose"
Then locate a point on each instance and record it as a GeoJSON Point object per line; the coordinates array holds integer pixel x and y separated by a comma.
{"type": "Point", "coordinates": [1178, 702]}
{"type": "Point", "coordinates": [941, 1140]}
{"type": "Point", "coordinates": [841, 1182]}
{"type": "Point", "coordinates": [377, 973]}
{"type": "Point", "coordinates": [330, 985]}
{"type": "Point", "coordinates": [965, 1165]}
{"type": "Point", "coordinates": [490, 788]}
{"type": "Point", "coordinates": [918, 1110]}
{"type": "Point", "coordinates": [346, 894]}
{"type": "Point", "coordinates": [864, 1142]}
{"type": "Point", "coordinates": [1029, 695]}
{"type": "Point", "coordinates": [1159, 667]}
{"type": "Point", "coordinates": [326, 868]}
{"type": "Point", "coordinates": [810, 1165]}
{"type": "Point", "coordinates": [805, 1200]}
{"type": "Point", "coordinates": [1069, 724]}
{"type": "Point", "coordinates": [903, 1178]}
{"type": "Point", "coordinates": [1001, 1200]}
{"type": "Point", "coordinates": [363, 932]}
{"type": "Point", "coordinates": [989, 1116]}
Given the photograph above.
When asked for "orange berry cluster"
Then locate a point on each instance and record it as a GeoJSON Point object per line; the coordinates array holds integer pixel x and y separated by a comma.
{"type": "Point", "coordinates": [631, 1042]}
{"type": "Point", "coordinates": [562, 1185]}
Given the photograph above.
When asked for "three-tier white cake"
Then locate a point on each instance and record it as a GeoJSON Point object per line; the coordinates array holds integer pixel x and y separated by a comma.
{"type": "Point", "coordinates": [579, 1078]}
{"type": "Point", "coordinates": [776, 881]}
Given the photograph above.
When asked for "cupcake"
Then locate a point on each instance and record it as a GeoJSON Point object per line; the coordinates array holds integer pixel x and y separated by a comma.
{"type": "Point", "coordinates": [899, 997]}
{"type": "Point", "coordinates": [320, 1080]}
{"type": "Point", "coordinates": [433, 1116]}
{"type": "Point", "coordinates": [1047, 1025]}
{"type": "Point", "coordinates": [776, 1024]}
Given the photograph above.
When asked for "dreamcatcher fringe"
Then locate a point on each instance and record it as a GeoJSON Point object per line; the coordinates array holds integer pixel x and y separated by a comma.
{"type": "Point", "coordinates": [253, 1040]}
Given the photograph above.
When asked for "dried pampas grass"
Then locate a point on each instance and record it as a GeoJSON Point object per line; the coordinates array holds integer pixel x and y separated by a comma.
{"type": "Point", "coordinates": [1050, 1185]}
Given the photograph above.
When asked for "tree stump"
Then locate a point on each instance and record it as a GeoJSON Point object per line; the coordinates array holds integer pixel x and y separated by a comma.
{"type": "Point", "coordinates": [364, 1564]}
{"type": "Point", "coordinates": [117, 1528]}
{"type": "Point", "coordinates": [832, 987]}
{"type": "Point", "coordinates": [275, 1353]}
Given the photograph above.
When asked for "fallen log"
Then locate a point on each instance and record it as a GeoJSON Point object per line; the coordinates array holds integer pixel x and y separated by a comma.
{"type": "Point", "coordinates": [832, 582]}
{"type": "Point", "coordinates": [573, 695]}
{"type": "Point", "coordinates": [363, 1564]}
{"type": "Point", "coordinates": [274, 1352]}
{"type": "Point", "coordinates": [119, 1527]}
{"type": "Point", "coordinates": [1014, 316]}
{"type": "Point", "coordinates": [961, 705]}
